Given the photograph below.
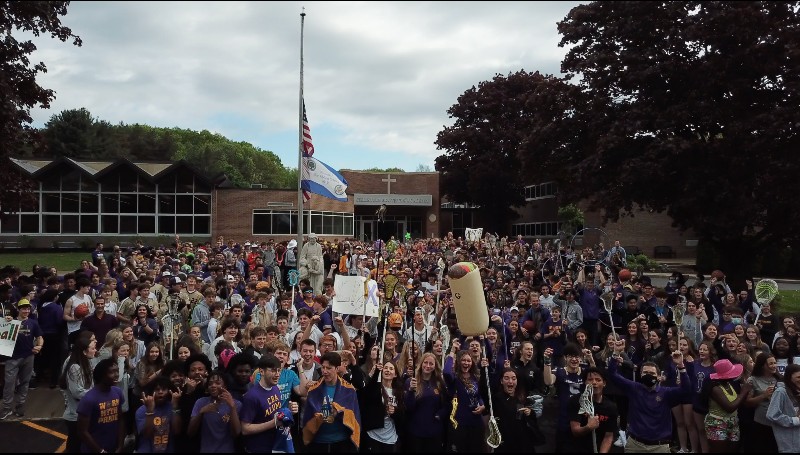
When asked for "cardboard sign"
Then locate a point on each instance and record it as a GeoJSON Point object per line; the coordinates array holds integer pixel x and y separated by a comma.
{"type": "Point", "coordinates": [355, 295]}
{"type": "Point", "coordinates": [8, 336]}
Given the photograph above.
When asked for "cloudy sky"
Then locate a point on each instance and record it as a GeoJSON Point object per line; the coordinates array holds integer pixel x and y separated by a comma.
{"type": "Point", "coordinates": [378, 76]}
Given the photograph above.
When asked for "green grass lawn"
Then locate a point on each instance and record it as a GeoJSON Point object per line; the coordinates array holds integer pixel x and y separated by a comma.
{"type": "Point", "coordinates": [64, 262]}
{"type": "Point", "coordinates": [789, 303]}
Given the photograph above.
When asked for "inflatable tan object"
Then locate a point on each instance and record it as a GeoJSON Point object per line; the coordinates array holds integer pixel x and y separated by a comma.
{"type": "Point", "coordinates": [468, 298]}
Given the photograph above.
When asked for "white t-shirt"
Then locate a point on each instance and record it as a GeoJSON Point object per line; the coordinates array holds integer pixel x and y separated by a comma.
{"type": "Point", "coordinates": [76, 300]}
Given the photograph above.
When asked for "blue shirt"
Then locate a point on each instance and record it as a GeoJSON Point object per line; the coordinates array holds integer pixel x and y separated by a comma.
{"type": "Point", "coordinates": [287, 382]}
{"type": "Point", "coordinates": [330, 433]}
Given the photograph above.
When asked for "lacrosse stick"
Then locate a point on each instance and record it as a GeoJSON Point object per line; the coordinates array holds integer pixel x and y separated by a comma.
{"type": "Point", "coordinates": [608, 304]}
{"type": "Point", "coordinates": [677, 313]}
{"type": "Point", "coordinates": [390, 283]}
{"type": "Point", "coordinates": [766, 290]}
{"type": "Point", "coordinates": [293, 278]}
{"type": "Point", "coordinates": [586, 406]}
{"type": "Point", "coordinates": [495, 438]}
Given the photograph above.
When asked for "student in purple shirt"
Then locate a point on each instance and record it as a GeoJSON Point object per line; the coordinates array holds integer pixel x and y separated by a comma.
{"type": "Point", "coordinates": [216, 417]}
{"type": "Point", "coordinates": [260, 404]}
{"type": "Point", "coordinates": [156, 420]}
{"type": "Point", "coordinates": [100, 411]}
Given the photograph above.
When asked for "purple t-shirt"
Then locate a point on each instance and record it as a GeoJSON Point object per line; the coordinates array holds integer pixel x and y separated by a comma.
{"type": "Point", "coordinates": [161, 440]}
{"type": "Point", "coordinates": [258, 406]}
{"type": "Point", "coordinates": [215, 428]}
{"type": "Point", "coordinates": [104, 410]}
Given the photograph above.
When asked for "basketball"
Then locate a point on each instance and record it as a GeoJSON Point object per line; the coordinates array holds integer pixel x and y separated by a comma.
{"type": "Point", "coordinates": [528, 325]}
{"type": "Point", "coordinates": [625, 275]}
{"type": "Point", "coordinates": [81, 311]}
{"type": "Point", "coordinates": [718, 274]}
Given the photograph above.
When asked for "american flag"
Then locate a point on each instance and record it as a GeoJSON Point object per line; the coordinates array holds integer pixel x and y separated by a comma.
{"type": "Point", "coordinates": [308, 146]}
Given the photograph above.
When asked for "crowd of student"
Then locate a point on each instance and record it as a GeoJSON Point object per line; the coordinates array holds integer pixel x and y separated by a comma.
{"type": "Point", "coordinates": [207, 348]}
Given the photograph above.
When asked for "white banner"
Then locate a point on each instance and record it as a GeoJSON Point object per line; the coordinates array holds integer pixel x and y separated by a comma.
{"type": "Point", "coordinates": [355, 295]}
{"type": "Point", "coordinates": [8, 336]}
{"type": "Point", "coordinates": [473, 235]}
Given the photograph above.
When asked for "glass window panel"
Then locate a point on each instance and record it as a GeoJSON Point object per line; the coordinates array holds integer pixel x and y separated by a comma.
{"type": "Point", "coordinates": [183, 224]}
{"type": "Point", "coordinates": [185, 181]}
{"type": "Point", "coordinates": [29, 224]}
{"type": "Point", "coordinates": [70, 202]}
{"type": "Point", "coordinates": [202, 205]}
{"type": "Point", "coordinates": [69, 224]}
{"type": "Point", "coordinates": [202, 225]}
{"type": "Point", "coordinates": [110, 203]}
{"type": "Point", "coordinates": [167, 184]}
{"type": "Point", "coordinates": [316, 223]}
{"type": "Point", "coordinates": [87, 184]}
{"type": "Point", "coordinates": [147, 224]}
{"type": "Point", "coordinates": [88, 224]}
{"type": "Point", "coordinates": [88, 203]}
{"type": "Point", "coordinates": [110, 224]}
{"type": "Point", "coordinates": [147, 203]}
{"type": "Point", "coordinates": [349, 225]}
{"type": "Point", "coordinates": [51, 181]}
{"type": "Point", "coordinates": [338, 223]}
{"type": "Point", "coordinates": [262, 223]}
{"type": "Point", "coordinates": [166, 225]}
{"type": "Point", "coordinates": [146, 186]}
{"type": "Point", "coordinates": [166, 203]}
{"type": "Point", "coordinates": [127, 203]}
{"type": "Point", "coordinates": [128, 224]}
{"type": "Point", "coordinates": [281, 223]}
{"type": "Point", "coordinates": [200, 186]}
{"type": "Point", "coordinates": [52, 224]}
{"type": "Point", "coordinates": [184, 204]}
{"type": "Point", "coordinates": [70, 181]}
{"type": "Point", "coordinates": [327, 223]}
{"type": "Point", "coordinates": [110, 183]}
{"type": "Point", "coordinates": [52, 202]}
{"type": "Point", "coordinates": [127, 181]}
{"type": "Point", "coordinates": [10, 225]}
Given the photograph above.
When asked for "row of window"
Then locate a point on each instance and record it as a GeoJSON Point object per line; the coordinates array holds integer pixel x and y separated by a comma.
{"type": "Point", "coordinates": [105, 224]}
{"type": "Point", "coordinates": [284, 222]}
{"type": "Point", "coordinates": [126, 181]}
{"type": "Point", "coordinates": [545, 229]}
{"type": "Point", "coordinates": [126, 203]}
{"type": "Point", "coordinates": [541, 191]}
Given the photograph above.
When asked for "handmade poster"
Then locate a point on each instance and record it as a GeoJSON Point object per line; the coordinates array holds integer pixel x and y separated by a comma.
{"type": "Point", "coordinates": [355, 295]}
{"type": "Point", "coordinates": [8, 336]}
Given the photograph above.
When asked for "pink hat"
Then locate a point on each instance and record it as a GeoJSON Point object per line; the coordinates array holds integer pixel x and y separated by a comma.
{"type": "Point", "coordinates": [225, 356]}
{"type": "Point", "coordinates": [724, 369]}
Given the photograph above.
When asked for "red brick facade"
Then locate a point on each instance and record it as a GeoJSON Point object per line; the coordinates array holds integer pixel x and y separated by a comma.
{"type": "Point", "coordinates": [232, 208]}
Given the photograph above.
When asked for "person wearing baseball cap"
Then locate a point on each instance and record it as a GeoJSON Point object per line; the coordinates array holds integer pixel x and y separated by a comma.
{"type": "Point", "coordinates": [19, 368]}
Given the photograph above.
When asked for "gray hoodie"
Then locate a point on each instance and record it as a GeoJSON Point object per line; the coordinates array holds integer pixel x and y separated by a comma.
{"type": "Point", "coordinates": [782, 416]}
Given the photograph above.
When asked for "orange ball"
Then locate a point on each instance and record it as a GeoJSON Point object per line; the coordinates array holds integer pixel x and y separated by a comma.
{"type": "Point", "coordinates": [81, 311]}
{"type": "Point", "coordinates": [625, 275]}
{"type": "Point", "coordinates": [718, 274]}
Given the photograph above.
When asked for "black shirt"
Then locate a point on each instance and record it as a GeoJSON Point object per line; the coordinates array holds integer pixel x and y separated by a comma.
{"type": "Point", "coordinates": [606, 411]}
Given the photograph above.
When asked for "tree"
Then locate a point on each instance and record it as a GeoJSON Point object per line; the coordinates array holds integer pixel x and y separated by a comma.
{"type": "Point", "coordinates": [691, 108]}
{"type": "Point", "coordinates": [393, 170]}
{"type": "Point", "coordinates": [423, 168]}
{"type": "Point", "coordinates": [19, 91]}
{"type": "Point", "coordinates": [571, 217]}
{"type": "Point", "coordinates": [496, 124]}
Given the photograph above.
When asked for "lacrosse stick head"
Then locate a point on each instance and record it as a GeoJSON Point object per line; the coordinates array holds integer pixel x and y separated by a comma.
{"type": "Point", "coordinates": [677, 313]}
{"type": "Point", "coordinates": [495, 438]}
{"type": "Point", "coordinates": [608, 301]}
{"type": "Point", "coordinates": [294, 277]}
{"type": "Point", "coordinates": [766, 290]}
{"type": "Point", "coordinates": [390, 283]}
{"type": "Point", "coordinates": [586, 401]}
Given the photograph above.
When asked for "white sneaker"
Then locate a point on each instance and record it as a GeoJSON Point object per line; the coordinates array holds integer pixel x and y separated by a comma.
{"type": "Point", "coordinates": [621, 440]}
{"type": "Point", "coordinates": [682, 451]}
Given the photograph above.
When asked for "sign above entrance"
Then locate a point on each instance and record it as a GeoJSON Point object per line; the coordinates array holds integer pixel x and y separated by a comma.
{"type": "Point", "coordinates": [425, 200]}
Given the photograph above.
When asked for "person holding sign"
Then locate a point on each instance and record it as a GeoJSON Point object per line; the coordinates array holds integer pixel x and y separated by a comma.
{"type": "Point", "coordinates": [20, 365]}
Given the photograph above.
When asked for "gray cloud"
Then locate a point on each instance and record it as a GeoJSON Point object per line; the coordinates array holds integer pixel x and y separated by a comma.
{"type": "Point", "coordinates": [378, 76]}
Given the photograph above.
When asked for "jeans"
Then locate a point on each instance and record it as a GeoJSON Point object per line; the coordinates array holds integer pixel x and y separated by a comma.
{"type": "Point", "coordinates": [21, 369]}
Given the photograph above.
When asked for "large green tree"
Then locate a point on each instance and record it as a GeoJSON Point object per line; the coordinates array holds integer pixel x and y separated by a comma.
{"type": "Point", "coordinates": [495, 123]}
{"type": "Point", "coordinates": [691, 108]}
{"type": "Point", "coordinates": [19, 91]}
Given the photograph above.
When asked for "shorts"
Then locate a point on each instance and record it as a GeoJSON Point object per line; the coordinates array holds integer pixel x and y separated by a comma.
{"type": "Point", "coordinates": [722, 429]}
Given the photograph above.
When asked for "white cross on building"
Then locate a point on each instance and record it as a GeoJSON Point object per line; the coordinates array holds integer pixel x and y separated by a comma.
{"type": "Point", "coordinates": [388, 181]}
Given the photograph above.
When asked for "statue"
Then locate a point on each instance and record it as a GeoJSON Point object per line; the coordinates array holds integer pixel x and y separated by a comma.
{"type": "Point", "coordinates": [311, 263]}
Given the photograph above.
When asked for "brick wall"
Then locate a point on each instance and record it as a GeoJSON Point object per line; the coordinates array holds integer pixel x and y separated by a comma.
{"type": "Point", "coordinates": [232, 210]}
{"type": "Point", "coordinates": [406, 183]}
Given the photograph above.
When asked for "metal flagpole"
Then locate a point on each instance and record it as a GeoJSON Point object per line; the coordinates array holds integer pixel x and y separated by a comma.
{"type": "Point", "coordinates": [300, 144]}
